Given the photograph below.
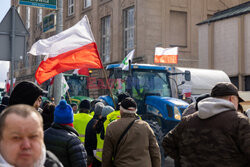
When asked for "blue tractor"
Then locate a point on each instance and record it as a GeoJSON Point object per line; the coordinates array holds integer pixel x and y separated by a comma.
{"type": "Point", "coordinates": [153, 89]}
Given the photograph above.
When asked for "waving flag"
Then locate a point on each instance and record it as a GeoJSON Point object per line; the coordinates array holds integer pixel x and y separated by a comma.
{"type": "Point", "coordinates": [74, 48]}
{"type": "Point", "coordinates": [166, 55]}
{"type": "Point", "coordinates": [82, 71]}
{"type": "Point", "coordinates": [64, 86]}
{"type": "Point", "coordinates": [125, 63]}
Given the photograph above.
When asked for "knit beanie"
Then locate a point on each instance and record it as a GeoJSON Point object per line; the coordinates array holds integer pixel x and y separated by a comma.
{"type": "Point", "coordinates": [98, 108]}
{"type": "Point", "coordinates": [25, 92]}
{"type": "Point", "coordinates": [106, 110]}
{"type": "Point", "coordinates": [63, 113]}
{"type": "Point", "coordinates": [122, 96]}
{"type": "Point", "coordinates": [84, 104]}
{"type": "Point", "coordinates": [128, 105]}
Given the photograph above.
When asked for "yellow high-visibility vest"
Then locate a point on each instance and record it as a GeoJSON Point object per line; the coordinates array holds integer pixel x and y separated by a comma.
{"type": "Point", "coordinates": [80, 123]}
{"type": "Point", "coordinates": [99, 147]}
{"type": "Point", "coordinates": [111, 117]}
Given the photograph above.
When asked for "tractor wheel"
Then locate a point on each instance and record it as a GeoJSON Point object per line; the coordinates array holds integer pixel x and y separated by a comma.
{"type": "Point", "coordinates": [159, 136]}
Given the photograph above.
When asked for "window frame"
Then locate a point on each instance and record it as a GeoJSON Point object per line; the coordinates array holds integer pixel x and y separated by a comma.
{"type": "Point", "coordinates": [39, 15]}
{"type": "Point", "coordinates": [106, 38]}
{"type": "Point", "coordinates": [27, 17]}
{"type": "Point", "coordinates": [128, 29]}
{"type": "Point", "coordinates": [87, 4]}
{"type": "Point", "coordinates": [71, 7]}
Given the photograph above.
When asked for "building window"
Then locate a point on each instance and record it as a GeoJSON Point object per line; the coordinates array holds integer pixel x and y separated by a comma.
{"type": "Point", "coordinates": [70, 7]}
{"type": "Point", "coordinates": [39, 15]}
{"type": "Point", "coordinates": [105, 39]}
{"type": "Point", "coordinates": [18, 10]}
{"type": "Point", "coordinates": [235, 81]}
{"type": "Point", "coordinates": [87, 3]}
{"type": "Point", "coordinates": [128, 27]}
{"type": "Point", "coordinates": [178, 29]}
{"type": "Point", "coordinates": [247, 83]}
{"type": "Point", "coordinates": [27, 17]}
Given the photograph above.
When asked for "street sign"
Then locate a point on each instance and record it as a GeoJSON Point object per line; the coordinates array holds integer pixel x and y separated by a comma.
{"type": "Point", "coordinates": [49, 22]}
{"type": "Point", "coordinates": [5, 33]}
{"type": "Point", "coordinates": [50, 4]}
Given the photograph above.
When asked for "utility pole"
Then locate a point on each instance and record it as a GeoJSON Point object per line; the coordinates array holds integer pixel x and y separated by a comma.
{"type": "Point", "coordinates": [12, 50]}
{"type": "Point", "coordinates": [59, 28]}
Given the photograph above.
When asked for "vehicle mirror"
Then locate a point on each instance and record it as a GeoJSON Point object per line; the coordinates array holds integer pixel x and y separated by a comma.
{"type": "Point", "coordinates": [118, 73]}
{"type": "Point", "coordinates": [187, 75]}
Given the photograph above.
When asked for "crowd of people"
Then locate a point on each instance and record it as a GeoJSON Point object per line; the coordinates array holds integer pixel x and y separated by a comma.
{"type": "Point", "coordinates": [214, 131]}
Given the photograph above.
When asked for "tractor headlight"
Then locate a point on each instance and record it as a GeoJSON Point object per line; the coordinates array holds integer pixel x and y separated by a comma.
{"type": "Point", "coordinates": [177, 114]}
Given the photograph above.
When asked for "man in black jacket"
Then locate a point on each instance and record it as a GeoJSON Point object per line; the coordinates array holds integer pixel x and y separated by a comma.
{"type": "Point", "coordinates": [90, 135]}
{"type": "Point", "coordinates": [62, 139]}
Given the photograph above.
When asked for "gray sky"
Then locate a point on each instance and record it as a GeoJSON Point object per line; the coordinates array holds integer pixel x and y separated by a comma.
{"type": "Point", "coordinates": [4, 65]}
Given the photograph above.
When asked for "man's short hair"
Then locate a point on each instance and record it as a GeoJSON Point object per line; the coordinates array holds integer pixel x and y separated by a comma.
{"type": "Point", "coordinates": [223, 89]}
{"type": "Point", "coordinates": [22, 110]}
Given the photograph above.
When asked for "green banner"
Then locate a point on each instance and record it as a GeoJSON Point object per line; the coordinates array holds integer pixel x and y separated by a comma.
{"type": "Point", "coordinates": [50, 4]}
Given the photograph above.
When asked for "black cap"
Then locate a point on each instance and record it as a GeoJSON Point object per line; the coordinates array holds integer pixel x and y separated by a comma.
{"type": "Point", "coordinates": [26, 92]}
{"type": "Point", "coordinates": [128, 103]}
{"type": "Point", "coordinates": [225, 89]}
{"type": "Point", "coordinates": [84, 104]}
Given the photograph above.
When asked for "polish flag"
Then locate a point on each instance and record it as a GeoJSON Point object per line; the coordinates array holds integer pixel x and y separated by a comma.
{"type": "Point", "coordinates": [82, 71]}
{"type": "Point", "coordinates": [74, 48]}
{"type": "Point", "coordinates": [166, 55]}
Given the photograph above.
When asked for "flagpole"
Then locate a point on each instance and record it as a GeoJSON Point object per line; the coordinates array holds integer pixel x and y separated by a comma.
{"type": "Point", "coordinates": [69, 96]}
{"type": "Point", "coordinates": [111, 94]}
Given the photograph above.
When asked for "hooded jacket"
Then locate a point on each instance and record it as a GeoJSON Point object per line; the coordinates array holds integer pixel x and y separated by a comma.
{"type": "Point", "coordinates": [215, 136]}
{"type": "Point", "coordinates": [138, 147]}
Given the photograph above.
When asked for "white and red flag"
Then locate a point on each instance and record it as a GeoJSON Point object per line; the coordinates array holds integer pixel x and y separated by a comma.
{"type": "Point", "coordinates": [82, 71]}
{"type": "Point", "coordinates": [74, 48]}
{"type": "Point", "coordinates": [166, 55]}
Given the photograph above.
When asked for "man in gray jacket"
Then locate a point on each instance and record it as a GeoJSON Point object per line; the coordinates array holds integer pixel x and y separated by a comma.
{"type": "Point", "coordinates": [138, 147]}
{"type": "Point", "coordinates": [216, 135]}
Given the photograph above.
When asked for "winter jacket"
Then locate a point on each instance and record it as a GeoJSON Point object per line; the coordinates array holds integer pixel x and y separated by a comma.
{"type": "Point", "coordinates": [138, 147]}
{"type": "Point", "coordinates": [63, 141]}
{"type": "Point", "coordinates": [216, 135]}
{"type": "Point", "coordinates": [50, 161]}
{"type": "Point", "coordinates": [90, 136]}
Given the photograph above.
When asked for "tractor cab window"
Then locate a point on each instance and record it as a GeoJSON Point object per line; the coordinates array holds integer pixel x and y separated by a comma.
{"type": "Point", "coordinates": [141, 83]}
{"type": "Point", "coordinates": [77, 85]}
{"type": "Point", "coordinates": [150, 82]}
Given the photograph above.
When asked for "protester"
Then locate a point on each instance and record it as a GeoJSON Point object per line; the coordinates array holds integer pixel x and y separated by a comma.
{"type": "Point", "coordinates": [138, 146]}
{"type": "Point", "coordinates": [216, 135]}
{"type": "Point", "coordinates": [74, 107]}
{"type": "Point", "coordinates": [27, 92]}
{"type": "Point", "coordinates": [62, 139]}
{"type": "Point", "coordinates": [4, 103]}
{"type": "Point", "coordinates": [91, 136]}
{"type": "Point", "coordinates": [48, 115]}
{"type": "Point", "coordinates": [100, 131]}
{"type": "Point", "coordinates": [82, 119]}
{"type": "Point", "coordinates": [193, 107]}
{"type": "Point", "coordinates": [21, 139]}
{"type": "Point", "coordinates": [115, 114]}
